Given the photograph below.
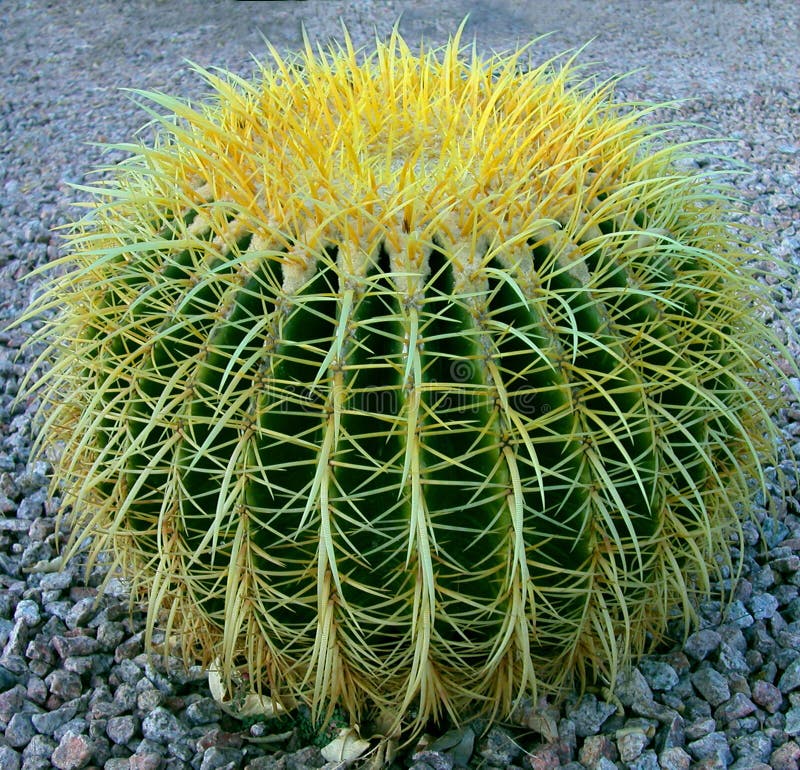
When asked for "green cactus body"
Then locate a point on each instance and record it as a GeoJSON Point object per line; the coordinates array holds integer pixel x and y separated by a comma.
{"type": "Point", "coordinates": [410, 382]}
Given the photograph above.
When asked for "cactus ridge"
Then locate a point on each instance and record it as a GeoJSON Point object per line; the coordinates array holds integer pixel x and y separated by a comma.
{"type": "Point", "coordinates": [415, 381]}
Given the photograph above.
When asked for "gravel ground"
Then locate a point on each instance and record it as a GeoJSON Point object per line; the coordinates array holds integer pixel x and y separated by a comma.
{"type": "Point", "coordinates": [76, 689]}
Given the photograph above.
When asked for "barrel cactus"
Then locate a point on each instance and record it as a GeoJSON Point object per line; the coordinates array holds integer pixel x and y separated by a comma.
{"type": "Point", "coordinates": [416, 382]}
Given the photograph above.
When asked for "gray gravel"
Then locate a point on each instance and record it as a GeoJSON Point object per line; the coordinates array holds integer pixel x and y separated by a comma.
{"type": "Point", "coordinates": [77, 690]}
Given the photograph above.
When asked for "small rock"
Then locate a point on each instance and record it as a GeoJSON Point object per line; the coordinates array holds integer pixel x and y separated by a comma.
{"type": "Point", "coordinates": [775, 531]}
{"type": "Point", "coordinates": [149, 699]}
{"type": "Point", "coordinates": [792, 726]}
{"type": "Point", "coordinates": [117, 763]}
{"type": "Point", "coordinates": [711, 746]}
{"type": "Point", "coordinates": [49, 721]}
{"type": "Point", "coordinates": [436, 760]}
{"type": "Point", "coordinates": [40, 747]}
{"type": "Point", "coordinates": [790, 680]}
{"type": "Point", "coordinates": [589, 715]}
{"type": "Point", "coordinates": [81, 612]}
{"type": "Point", "coordinates": [73, 752]}
{"type": "Point", "coordinates": [763, 606]}
{"type": "Point", "coordinates": [39, 649]}
{"type": "Point", "coordinates": [11, 702]}
{"type": "Point", "coordinates": [58, 609]}
{"type": "Point", "coordinates": [737, 614]}
{"type": "Point", "coordinates": [543, 758]}
{"type": "Point", "coordinates": [763, 579]}
{"type": "Point", "coordinates": [631, 744]}
{"type": "Point", "coordinates": [737, 707]}
{"type": "Point", "coordinates": [498, 748]}
{"type": "Point", "coordinates": [65, 684]}
{"type": "Point", "coordinates": [786, 595]}
{"type": "Point", "coordinates": [645, 761]}
{"type": "Point", "coordinates": [767, 695]}
{"type": "Point", "coordinates": [631, 686]}
{"type": "Point", "coordinates": [732, 659]}
{"type": "Point", "coordinates": [786, 564]}
{"type": "Point", "coordinates": [127, 671]}
{"type": "Point", "coordinates": [122, 729]}
{"type": "Point", "coordinates": [675, 758]}
{"type": "Point", "coordinates": [747, 764]}
{"type": "Point", "coordinates": [702, 643]}
{"type": "Point", "coordinates": [595, 748]}
{"type": "Point", "coordinates": [761, 639]}
{"type": "Point", "coordinates": [567, 737]}
{"type": "Point", "coordinates": [16, 664]}
{"type": "Point", "coordinates": [161, 726]}
{"type": "Point", "coordinates": [83, 664]}
{"type": "Point", "coordinates": [118, 588]}
{"type": "Point", "coordinates": [17, 640]}
{"type": "Point", "coordinates": [146, 760]}
{"type": "Point", "coordinates": [700, 727]}
{"type": "Point", "coordinates": [671, 734]}
{"type": "Point", "coordinates": [104, 709]}
{"type": "Point", "coordinates": [109, 635]}
{"type": "Point", "coordinates": [218, 737]}
{"type": "Point", "coordinates": [215, 758]}
{"type": "Point", "coordinates": [288, 761]}
{"type": "Point", "coordinates": [711, 685]}
{"type": "Point", "coordinates": [7, 679]}
{"type": "Point", "coordinates": [20, 730]}
{"type": "Point", "coordinates": [56, 581]}
{"type": "Point", "coordinates": [9, 759]}
{"type": "Point", "coordinates": [752, 748]}
{"type": "Point", "coordinates": [70, 646]}
{"type": "Point", "coordinates": [785, 757]}
{"type": "Point", "coordinates": [659, 675]}
{"type": "Point", "coordinates": [158, 679]}
{"type": "Point", "coordinates": [129, 649]}
{"type": "Point", "coordinates": [76, 725]}
{"type": "Point", "coordinates": [125, 697]}
{"type": "Point", "coordinates": [203, 712]}
{"type": "Point", "coordinates": [28, 612]}
{"type": "Point", "coordinates": [789, 639]}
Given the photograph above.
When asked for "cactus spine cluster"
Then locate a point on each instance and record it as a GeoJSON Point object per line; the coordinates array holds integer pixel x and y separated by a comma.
{"type": "Point", "coordinates": [410, 381]}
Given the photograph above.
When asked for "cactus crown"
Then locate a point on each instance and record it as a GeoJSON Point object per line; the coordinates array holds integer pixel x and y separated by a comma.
{"type": "Point", "coordinates": [416, 381]}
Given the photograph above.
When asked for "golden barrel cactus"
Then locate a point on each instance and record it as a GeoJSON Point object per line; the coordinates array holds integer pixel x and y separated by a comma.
{"type": "Point", "coordinates": [408, 381]}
